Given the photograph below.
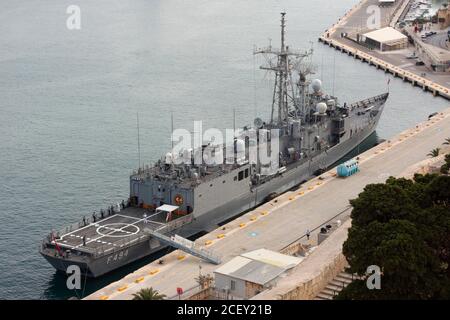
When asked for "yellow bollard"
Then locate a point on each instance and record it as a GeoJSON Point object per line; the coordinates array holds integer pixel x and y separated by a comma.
{"type": "Point", "coordinates": [104, 297]}
{"type": "Point", "coordinates": [208, 242]}
{"type": "Point", "coordinates": [241, 225]}
{"type": "Point", "coordinates": [139, 279]}
{"type": "Point", "coordinates": [123, 288]}
{"type": "Point", "coordinates": [220, 236]}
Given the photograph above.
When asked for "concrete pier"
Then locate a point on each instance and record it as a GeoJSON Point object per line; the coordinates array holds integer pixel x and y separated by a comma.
{"type": "Point", "coordinates": [281, 222]}
{"type": "Point", "coordinates": [392, 62]}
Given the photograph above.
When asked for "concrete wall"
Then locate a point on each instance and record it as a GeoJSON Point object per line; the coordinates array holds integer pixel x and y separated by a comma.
{"type": "Point", "coordinates": [310, 289]}
{"type": "Point", "coordinates": [223, 282]}
{"type": "Point", "coordinates": [203, 294]}
{"type": "Point", "coordinates": [252, 289]}
{"type": "Point", "coordinates": [295, 248]}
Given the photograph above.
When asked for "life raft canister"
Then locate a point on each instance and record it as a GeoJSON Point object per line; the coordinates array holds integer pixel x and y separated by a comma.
{"type": "Point", "coordinates": [178, 199]}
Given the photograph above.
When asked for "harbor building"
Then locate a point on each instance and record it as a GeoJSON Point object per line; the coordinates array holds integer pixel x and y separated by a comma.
{"type": "Point", "coordinates": [253, 272]}
{"type": "Point", "coordinates": [386, 39]}
{"type": "Point", "coordinates": [443, 16]}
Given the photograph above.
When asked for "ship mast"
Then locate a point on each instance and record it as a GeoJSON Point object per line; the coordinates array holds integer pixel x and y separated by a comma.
{"type": "Point", "coordinates": [283, 93]}
{"type": "Point", "coordinates": [282, 76]}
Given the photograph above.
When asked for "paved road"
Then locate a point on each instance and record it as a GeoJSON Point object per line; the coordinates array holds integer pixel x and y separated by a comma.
{"type": "Point", "coordinates": [360, 20]}
{"type": "Point", "coordinates": [440, 40]}
{"type": "Point", "coordinates": [288, 219]}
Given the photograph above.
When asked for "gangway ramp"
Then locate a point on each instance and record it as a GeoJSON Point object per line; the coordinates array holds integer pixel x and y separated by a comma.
{"type": "Point", "coordinates": [185, 245]}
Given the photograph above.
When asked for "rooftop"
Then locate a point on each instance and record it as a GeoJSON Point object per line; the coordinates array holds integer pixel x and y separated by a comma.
{"type": "Point", "coordinates": [259, 266]}
{"type": "Point", "coordinates": [273, 258]}
{"type": "Point", "coordinates": [250, 270]}
{"type": "Point", "coordinates": [386, 35]}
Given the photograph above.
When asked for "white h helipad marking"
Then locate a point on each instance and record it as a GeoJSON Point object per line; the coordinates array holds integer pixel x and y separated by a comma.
{"type": "Point", "coordinates": [98, 224]}
{"type": "Point", "coordinates": [120, 230]}
{"type": "Point", "coordinates": [107, 235]}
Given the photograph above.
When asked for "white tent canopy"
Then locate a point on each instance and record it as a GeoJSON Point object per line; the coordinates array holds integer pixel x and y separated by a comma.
{"type": "Point", "coordinates": [167, 208]}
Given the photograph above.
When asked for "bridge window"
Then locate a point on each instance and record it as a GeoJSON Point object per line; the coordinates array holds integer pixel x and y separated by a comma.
{"type": "Point", "coordinates": [241, 175]}
{"type": "Point", "coordinates": [246, 173]}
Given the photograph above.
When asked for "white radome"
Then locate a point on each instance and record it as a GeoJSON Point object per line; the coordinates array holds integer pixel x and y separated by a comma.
{"type": "Point", "coordinates": [321, 108]}
{"type": "Point", "coordinates": [316, 85]}
{"type": "Point", "coordinates": [169, 158]}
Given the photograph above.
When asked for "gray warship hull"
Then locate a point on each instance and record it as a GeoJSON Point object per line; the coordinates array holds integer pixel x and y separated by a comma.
{"type": "Point", "coordinates": [96, 265]}
{"type": "Point", "coordinates": [292, 177]}
{"type": "Point", "coordinates": [194, 189]}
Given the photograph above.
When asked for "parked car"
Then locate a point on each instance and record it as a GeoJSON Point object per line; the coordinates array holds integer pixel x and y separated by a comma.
{"type": "Point", "coordinates": [420, 63]}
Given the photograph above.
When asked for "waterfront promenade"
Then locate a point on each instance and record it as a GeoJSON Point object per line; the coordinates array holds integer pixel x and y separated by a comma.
{"type": "Point", "coordinates": [394, 62]}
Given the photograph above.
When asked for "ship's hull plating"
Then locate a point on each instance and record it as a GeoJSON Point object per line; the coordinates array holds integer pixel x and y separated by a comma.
{"type": "Point", "coordinates": [97, 266]}
{"type": "Point", "coordinates": [282, 183]}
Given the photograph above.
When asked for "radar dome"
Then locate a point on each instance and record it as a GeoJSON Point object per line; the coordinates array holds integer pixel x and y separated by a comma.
{"type": "Point", "coordinates": [258, 123]}
{"type": "Point", "coordinates": [316, 85]}
{"type": "Point", "coordinates": [321, 108]}
{"type": "Point", "coordinates": [169, 158]}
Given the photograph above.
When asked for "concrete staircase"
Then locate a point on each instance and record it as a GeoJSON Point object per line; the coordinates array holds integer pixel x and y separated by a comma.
{"type": "Point", "coordinates": [335, 286]}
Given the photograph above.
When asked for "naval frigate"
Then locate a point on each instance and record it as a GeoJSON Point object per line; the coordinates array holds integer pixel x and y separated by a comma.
{"type": "Point", "coordinates": [170, 200]}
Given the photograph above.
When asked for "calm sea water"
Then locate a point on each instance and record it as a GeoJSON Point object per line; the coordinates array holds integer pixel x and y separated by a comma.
{"type": "Point", "coordinates": [69, 101]}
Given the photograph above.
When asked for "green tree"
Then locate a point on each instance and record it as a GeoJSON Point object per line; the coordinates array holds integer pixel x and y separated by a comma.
{"type": "Point", "coordinates": [434, 153]}
{"type": "Point", "coordinates": [380, 202]}
{"type": "Point", "coordinates": [447, 141]}
{"type": "Point", "coordinates": [446, 166]}
{"type": "Point", "coordinates": [148, 294]}
{"type": "Point", "coordinates": [402, 226]}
